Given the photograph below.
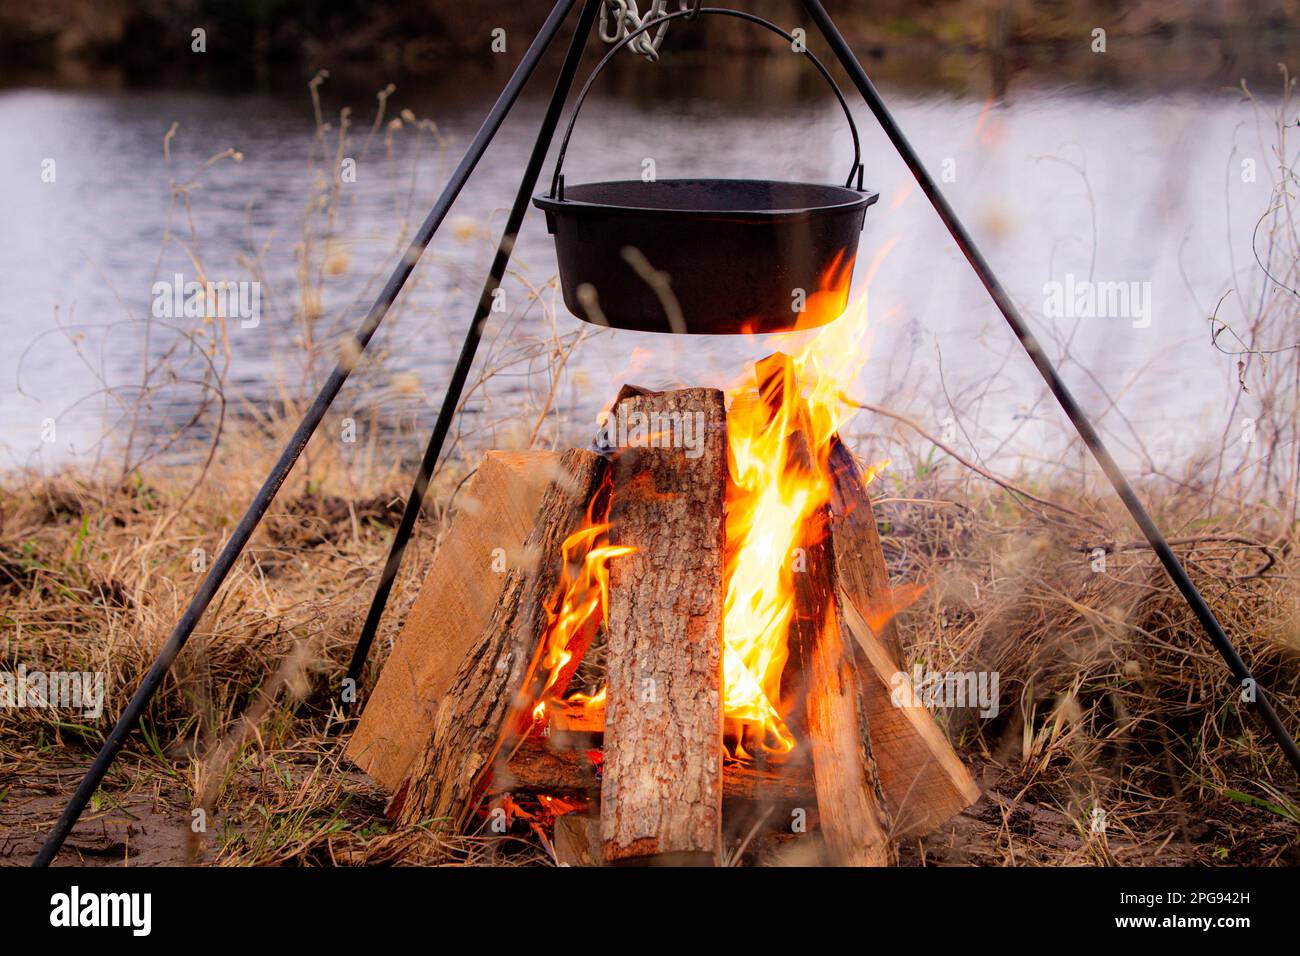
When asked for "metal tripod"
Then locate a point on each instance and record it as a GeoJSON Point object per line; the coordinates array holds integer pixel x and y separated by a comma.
{"type": "Point", "coordinates": [266, 494]}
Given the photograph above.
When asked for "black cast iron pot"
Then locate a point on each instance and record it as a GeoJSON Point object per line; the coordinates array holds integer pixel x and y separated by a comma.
{"type": "Point", "coordinates": [705, 256]}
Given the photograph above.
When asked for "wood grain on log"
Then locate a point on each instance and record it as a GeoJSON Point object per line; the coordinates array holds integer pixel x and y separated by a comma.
{"type": "Point", "coordinates": [849, 804]}
{"type": "Point", "coordinates": [496, 509]}
{"type": "Point", "coordinates": [859, 558]}
{"type": "Point", "coordinates": [484, 702]}
{"type": "Point", "coordinates": [923, 780]}
{"type": "Point", "coordinates": [662, 791]}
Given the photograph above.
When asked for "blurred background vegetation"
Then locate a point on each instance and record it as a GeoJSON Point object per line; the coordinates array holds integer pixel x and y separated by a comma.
{"type": "Point", "coordinates": [264, 42]}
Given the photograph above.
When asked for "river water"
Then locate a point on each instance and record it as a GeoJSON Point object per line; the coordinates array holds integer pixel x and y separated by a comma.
{"type": "Point", "coordinates": [1061, 185]}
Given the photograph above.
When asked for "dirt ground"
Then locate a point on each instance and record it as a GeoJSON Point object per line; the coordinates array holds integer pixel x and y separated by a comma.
{"type": "Point", "coordinates": [149, 823]}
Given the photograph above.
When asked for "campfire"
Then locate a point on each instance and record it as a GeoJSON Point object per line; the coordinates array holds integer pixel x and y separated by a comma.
{"type": "Point", "coordinates": [672, 647]}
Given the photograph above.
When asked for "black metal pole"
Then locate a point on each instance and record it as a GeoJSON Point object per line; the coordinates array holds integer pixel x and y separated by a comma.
{"type": "Point", "coordinates": [473, 336]}
{"type": "Point", "coordinates": [253, 516]}
{"type": "Point", "coordinates": [1174, 568]}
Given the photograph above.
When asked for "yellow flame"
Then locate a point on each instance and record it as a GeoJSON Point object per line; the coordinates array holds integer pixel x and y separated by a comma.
{"type": "Point", "coordinates": [780, 431]}
{"type": "Point", "coordinates": [579, 602]}
{"type": "Point", "coordinates": [779, 437]}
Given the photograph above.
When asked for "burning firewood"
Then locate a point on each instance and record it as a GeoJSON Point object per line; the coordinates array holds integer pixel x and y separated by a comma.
{"type": "Point", "coordinates": [721, 590]}
{"type": "Point", "coordinates": [662, 791]}
{"type": "Point", "coordinates": [860, 561]}
{"type": "Point", "coordinates": [854, 827]}
{"type": "Point", "coordinates": [485, 703]}
{"type": "Point", "coordinates": [539, 767]}
{"type": "Point", "coordinates": [497, 509]}
{"type": "Point", "coordinates": [821, 684]}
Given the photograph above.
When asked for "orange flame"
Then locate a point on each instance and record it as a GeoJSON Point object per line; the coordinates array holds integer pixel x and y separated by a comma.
{"type": "Point", "coordinates": [779, 438]}
{"type": "Point", "coordinates": [577, 607]}
{"type": "Point", "coordinates": [780, 432]}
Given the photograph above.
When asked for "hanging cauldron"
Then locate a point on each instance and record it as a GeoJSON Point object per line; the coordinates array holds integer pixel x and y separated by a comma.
{"type": "Point", "coordinates": [705, 256]}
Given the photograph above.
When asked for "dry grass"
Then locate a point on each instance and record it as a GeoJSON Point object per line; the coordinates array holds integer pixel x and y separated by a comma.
{"type": "Point", "coordinates": [1110, 696]}
{"type": "Point", "coordinates": [93, 578]}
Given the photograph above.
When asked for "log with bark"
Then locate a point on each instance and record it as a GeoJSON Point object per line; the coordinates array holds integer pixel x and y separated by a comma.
{"type": "Point", "coordinates": [661, 797]}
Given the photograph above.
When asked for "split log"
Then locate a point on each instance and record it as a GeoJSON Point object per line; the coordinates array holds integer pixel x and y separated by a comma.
{"type": "Point", "coordinates": [482, 707]}
{"type": "Point", "coordinates": [853, 823]}
{"type": "Point", "coordinates": [860, 560]}
{"type": "Point", "coordinates": [497, 508]}
{"type": "Point", "coordinates": [923, 780]}
{"type": "Point", "coordinates": [849, 798]}
{"type": "Point", "coordinates": [661, 797]}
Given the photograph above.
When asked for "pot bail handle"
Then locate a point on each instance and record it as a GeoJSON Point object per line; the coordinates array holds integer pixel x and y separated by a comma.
{"type": "Point", "coordinates": [855, 172]}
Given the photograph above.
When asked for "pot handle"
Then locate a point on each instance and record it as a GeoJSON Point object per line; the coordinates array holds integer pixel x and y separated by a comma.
{"type": "Point", "coordinates": [855, 173]}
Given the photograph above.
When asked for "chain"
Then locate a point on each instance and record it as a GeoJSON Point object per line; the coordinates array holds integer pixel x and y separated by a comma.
{"type": "Point", "coordinates": [618, 18]}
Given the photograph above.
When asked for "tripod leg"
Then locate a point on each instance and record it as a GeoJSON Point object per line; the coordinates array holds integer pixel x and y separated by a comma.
{"type": "Point", "coordinates": [473, 335]}
{"type": "Point", "coordinates": [253, 516]}
{"type": "Point", "coordinates": [1173, 567]}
